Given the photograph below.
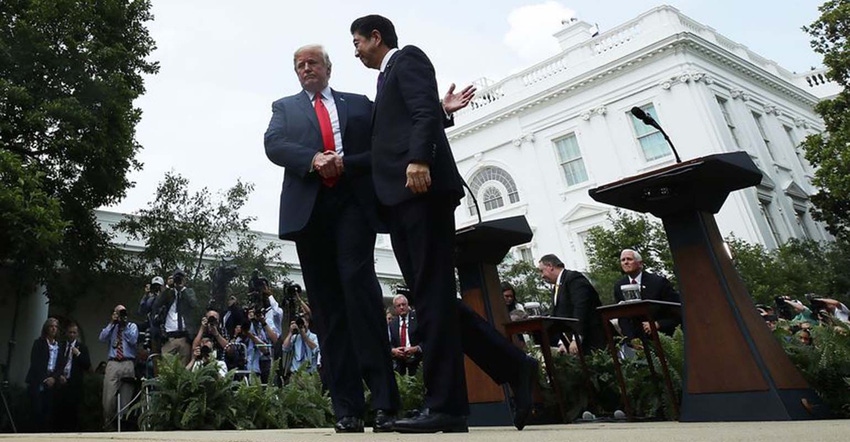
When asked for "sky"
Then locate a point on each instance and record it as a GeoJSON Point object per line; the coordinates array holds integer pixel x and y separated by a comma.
{"type": "Point", "coordinates": [223, 62]}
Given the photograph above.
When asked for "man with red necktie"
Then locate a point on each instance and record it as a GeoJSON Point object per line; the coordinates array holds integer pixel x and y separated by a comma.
{"type": "Point", "coordinates": [322, 138]}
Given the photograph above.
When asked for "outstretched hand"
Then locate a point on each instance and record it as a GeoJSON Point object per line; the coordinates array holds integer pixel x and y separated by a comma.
{"type": "Point", "coordinates": [454, 102]}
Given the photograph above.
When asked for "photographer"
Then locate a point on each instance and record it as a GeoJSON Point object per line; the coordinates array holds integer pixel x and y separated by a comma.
{"type": "Point", "coordinates": [828, 308]}
{"type": "Point", "coordinates": [793, 310]}
{"type": "Point", "coordinates": [178, 305]}
{"type": "Point", "coordinates": [204, 354]}
{"type": "Point", "coordinates": [211, 328]}
{"type": "Point", "coordinates": [235, 352]}
{"type": "Point", "coordinates": [304, 344]}
{"type": "Point", "coordinates": [147, 311]}
{"type": "Point", "coordinates": [235, 315]}
{"type": "Point", "coordinates": [262, 334]}
{"type": "Point", "coordinates": [121, 335]}
{"type": "Point", "coordinates": [261, 295]}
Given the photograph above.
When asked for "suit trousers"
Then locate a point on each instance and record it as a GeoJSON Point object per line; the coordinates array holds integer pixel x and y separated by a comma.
{"type": "Point", "coordinates": [115, 371]}
{"type": "Point", "coordinates": [337, 255]}
{"type": "Point", "coordinates": [422, 230]}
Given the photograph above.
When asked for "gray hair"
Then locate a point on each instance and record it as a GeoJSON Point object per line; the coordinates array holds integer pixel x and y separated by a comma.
{"type": "Point", "coordinates": [637, 256]}
{"type": "Point", "coordinates": [312, 47]}
{"type": "Point", "coordinates": [397, 297]}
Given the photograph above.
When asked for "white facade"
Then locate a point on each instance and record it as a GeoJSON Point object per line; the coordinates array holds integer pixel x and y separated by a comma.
{"type": "Point", "coordinates": [534, 143]}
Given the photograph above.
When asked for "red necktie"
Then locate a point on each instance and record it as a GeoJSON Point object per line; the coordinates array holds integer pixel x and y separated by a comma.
{"type": "Point", "coordinates": [403, 332]}
{"type": "Point", "coordinates": [327, 133]}
{"type": "Point", "coordinates": [634, 281]}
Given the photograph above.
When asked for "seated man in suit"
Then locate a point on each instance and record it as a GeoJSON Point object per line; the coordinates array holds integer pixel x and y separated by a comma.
{"type": "Point", "coordinates": [652, 286]}
{"type": "Point", "coordinates": [404, 343]}
{"type": "Point", "coordinates": [574, 297]}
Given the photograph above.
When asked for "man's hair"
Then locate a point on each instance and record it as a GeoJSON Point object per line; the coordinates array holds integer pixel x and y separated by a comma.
{"type": "Point", "coordinates": [365, 25]}
{"type": "Point", "coordinates": [312, 47]}
{"type": "Point", "coordinates": [397, 297]}
{"type": "Point", "coordinates": [637, 256]}
{"type": "Point", "coordinates": [552, 260]}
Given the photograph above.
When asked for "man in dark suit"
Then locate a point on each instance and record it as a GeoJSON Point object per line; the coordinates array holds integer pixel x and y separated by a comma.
{"type": "Point", "coordinates": [404, 342]}
{"type": "Point", "coordinates": [652, 286]}
{"type": "Point", "coordinates": [419, 187]}
{"type": "Point", "coordinates": [69, 395]}
{"type": "Point", "coordinates": [327, 206]}
{"type": "Point", "coordinates": [574, 297]}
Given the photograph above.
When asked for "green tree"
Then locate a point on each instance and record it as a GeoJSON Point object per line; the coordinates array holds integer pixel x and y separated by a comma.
{"type": "Point", "coordinates": [828, 152]}
{"type": "Point", "coordinates": [69, 73]}
{"type": "Point", "coordinates": [627, 230]}
{"type": "Point", "coordinates": [192, 231]}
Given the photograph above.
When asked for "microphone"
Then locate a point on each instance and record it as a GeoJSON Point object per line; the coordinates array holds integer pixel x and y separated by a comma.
{"type": "Point", "coordinates": [474, 200]}
{"type": "Point", "coordinates": [649, 121]}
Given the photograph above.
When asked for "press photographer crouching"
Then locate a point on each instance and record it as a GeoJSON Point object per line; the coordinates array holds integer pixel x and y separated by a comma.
{"type": "Point", "coordinates": [304, 345]}
{"type": "Point", "coordinates": [205, 354]}
{"type": "Point", "coordinates": [211, 329]}
{"type": "Point", "coordinates": [121, 335]}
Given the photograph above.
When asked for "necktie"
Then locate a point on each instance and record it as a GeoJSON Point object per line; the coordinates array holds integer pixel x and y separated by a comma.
{"type": "Point", "coordinates": [119, 344]}
{"type": "Point", "coordinates": [403, 331]}
{"type": "Point", "coordinates": [380, 81]}
{"type": "Point", "coordinates": [634, 281]}
{"type": "Point", "coordinates": [327, 133]}
{"type": "Point", "coordinates": [177, 307]}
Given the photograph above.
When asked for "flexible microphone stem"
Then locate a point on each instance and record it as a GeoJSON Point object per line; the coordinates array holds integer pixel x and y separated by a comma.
{"type": "Point", "coordinates": [649, 121]}
{"type": "Point", "coordinates": [474, 200]}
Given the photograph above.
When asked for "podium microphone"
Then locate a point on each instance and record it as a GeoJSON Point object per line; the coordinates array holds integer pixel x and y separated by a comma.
{"type": "Point", "coordinates": [474, 200]}
{"type": "Point", "coordinates": [649, 121]}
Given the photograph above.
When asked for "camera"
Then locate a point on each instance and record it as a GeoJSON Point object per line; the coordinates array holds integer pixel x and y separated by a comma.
{"type": "Point", "coordinates": [205, 352]}
{"type": "Point", "coordinates": [178, 277]}
{"type": "Point", "coordinates": [299, 321]}
{"type": "Point", "coordinates": [783, 309]}
{"type": "Point", "coordinates": [122, 315]}
{"type": "Point", "coordinates": [212, 321]}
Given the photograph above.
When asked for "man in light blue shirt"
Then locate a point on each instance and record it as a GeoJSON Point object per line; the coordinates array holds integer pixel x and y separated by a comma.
{"type": "Point", "coordinates": [121, 335]}
{"type": "Point", "coordinates": [304, 345]}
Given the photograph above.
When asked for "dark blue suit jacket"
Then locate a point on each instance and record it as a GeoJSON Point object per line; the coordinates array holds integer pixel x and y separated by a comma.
{"type": "Point", "coordinates": [408, 126]}
{"type": "Point", "coordinates": [293, 138]}
{"type": "Point", "coordinates": [655, 287]}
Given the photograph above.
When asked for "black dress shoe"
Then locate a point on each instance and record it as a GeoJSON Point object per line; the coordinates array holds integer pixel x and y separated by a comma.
{"type": "Point", "coordinates": [349, 424]}
{"type": "Point", "coordinates": [384, 421]}
{"type": "Point", "coordinates": [522, 388]}
{"type": "Point", "coordinates": [432, 423]}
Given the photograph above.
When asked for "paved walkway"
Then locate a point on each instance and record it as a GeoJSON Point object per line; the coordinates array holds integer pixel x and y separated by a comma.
{"type": "Point", "coordinates": [799, 431]}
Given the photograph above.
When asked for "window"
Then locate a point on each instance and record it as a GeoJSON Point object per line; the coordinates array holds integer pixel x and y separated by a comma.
{"type": "Point", "coordinates": [724, 109]}
{"type": "Point", "coordinates": [525, 254]}
{"type": "Point", "coordinates": [795, 144]}
{"type": "Point", "coordinates": [651, 141]}
{"type": "Point", "coordinates": [800, 216]}
{"type": "Point", "coordinates": [765, 207]}
{"type": "Point", "coordinates": [569, 157]}
{"type": "Point", "coordinates": [760, 124]}
{"type": "Point", "coordinates": [492, 196]}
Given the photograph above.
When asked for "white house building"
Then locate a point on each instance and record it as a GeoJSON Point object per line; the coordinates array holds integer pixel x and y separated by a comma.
{"type": "Point", "coordinates": [534, 143]}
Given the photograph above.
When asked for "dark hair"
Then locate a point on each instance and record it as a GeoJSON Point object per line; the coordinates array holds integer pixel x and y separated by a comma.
{"type": "Point", "coordinates": [507, 286]}
{"type": "Point", "coordinates": [365, 25]}
{"type": "Point", "coordinates": [551, 260]}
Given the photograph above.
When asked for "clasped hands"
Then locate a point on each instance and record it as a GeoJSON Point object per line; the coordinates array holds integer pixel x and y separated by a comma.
{"type": "Point", "coordinates": [405, 352]}
{"type": "Point", "coordinates": [328, 164]}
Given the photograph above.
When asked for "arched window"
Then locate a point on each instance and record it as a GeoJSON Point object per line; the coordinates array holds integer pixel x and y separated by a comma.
{"type": "Point", "coordinates": [492, 186]}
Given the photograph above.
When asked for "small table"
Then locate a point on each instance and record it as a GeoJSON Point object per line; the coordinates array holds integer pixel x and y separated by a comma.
{"type": "Point", "coordinates": [549, 326]}
{"type": "Point", "coordinates": [645, 310]}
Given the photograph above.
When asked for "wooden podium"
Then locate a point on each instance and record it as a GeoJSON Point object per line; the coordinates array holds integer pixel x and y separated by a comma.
{"type": "Point", "coordinates": [735, 370]}
{"type": "Point", "coordinates": [480, 248]}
